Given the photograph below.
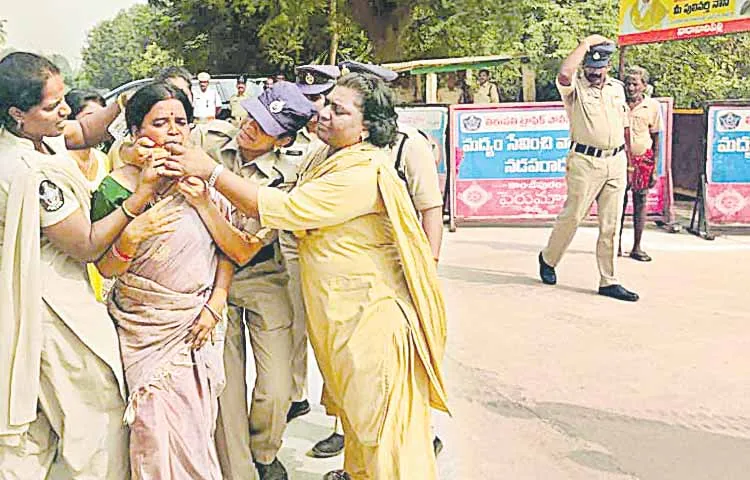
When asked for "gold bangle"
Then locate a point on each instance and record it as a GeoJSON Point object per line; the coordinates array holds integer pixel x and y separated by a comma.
{"type": "Point", "coordinates": [127, 212]}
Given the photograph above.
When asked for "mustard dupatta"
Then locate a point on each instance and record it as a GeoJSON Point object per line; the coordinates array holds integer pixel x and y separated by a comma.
{"type": "Point", "coordinates": [21, 292]}
{"type": "Point", "coordinates": [417, 262]}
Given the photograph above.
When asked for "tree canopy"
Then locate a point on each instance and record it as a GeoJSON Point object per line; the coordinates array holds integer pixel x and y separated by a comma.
{"type": "Point", "coordinates": [129, 46]}
{"type": "Point", "coordinates": [269, 36]}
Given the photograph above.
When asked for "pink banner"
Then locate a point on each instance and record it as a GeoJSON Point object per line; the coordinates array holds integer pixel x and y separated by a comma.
{"type": "Point", "coordinates": [728, 203]}
{"type": "Point", "coordinates": [530, 199]}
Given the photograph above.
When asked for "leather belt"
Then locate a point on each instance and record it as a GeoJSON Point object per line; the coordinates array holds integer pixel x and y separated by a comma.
{"type": "Point", "coordinates": [264, 254]}
{"type": "Point", "coordinates": [595, 152]}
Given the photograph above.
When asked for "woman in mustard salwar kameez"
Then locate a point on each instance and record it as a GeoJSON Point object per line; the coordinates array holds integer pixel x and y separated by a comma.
{"type": "Point", "coordinates": [376, 317]}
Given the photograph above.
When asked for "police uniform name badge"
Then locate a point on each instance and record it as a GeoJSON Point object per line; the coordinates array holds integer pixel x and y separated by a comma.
{"type": "Point", "coordinates": [50, 196]}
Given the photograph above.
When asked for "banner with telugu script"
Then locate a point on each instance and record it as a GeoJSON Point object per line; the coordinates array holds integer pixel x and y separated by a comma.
{"type": "Point", "coordinates": [508, 162]}
{"type": "Point", "coordinates": [648, 21]}
{"type": "Point", "coordinates": [728, 164]}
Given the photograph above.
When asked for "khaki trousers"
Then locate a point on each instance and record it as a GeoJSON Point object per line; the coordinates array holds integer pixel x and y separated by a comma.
{"type": "Point", "coordinates": [269, 321]}
{"type": "Point", "coordinates": [79, 417]}
{"type": "Point", "coordinates": [299, 332]}
{"type": "Point", "coordinates": [591, 179]}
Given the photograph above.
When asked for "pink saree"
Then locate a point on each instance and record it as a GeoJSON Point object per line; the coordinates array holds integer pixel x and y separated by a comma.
{"type": "Point", "coordinates": [173, 389]}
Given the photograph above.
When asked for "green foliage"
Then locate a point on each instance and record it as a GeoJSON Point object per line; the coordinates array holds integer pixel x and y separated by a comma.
{"type": "Point", "coordinates": [258, 36]}
{"type": "Point", "coordinates": [151, 61]}
{"type": "Point", "coordinates": [126, 47]}
{"type": "Point", "coordinates": [267, 36]}
{"type": "Point", "coordinates": [696, 71]}
{"type": "Point", "coordinates": [541, 30]}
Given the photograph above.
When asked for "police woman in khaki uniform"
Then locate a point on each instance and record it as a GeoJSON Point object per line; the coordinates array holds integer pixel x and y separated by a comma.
{"type": "Point", "coordinates": [314, 81]}
{"type": "Point", "coordinates": [597, 161]}
{"type": "Point", "coordinates": [63, 390]}
{"type": "Point", "coordinates": [415, 164]}
{"type": "Point", "coordinates": [259, 294]}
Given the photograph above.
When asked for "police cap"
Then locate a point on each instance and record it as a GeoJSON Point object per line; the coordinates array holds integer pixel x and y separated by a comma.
{"type": "Point", "coordinates": [316, 79]}
{"type": "Point", "coordinates": [598, 55]}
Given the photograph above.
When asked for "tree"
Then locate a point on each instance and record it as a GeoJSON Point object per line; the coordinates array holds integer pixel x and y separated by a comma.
{"type": "Point", "coordinates": [259, 36]}
{"type": "Point", "coordinates": [542, 31]}
{"type": "Point", "coordinates": [127, 47]}
{"type": "Point", "coordinates": [696, 71]}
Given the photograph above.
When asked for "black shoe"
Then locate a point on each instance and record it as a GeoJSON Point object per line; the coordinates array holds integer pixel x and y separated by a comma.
{"type": "Point", "coordinates": [437, 445]}
{"type": "Point", "coordinates": [619, 292]}
{"type": "Point", "coordinates": [274, 471]}
{"type": "Point", "coordinates": [337, 475]}
{"type": "Point", "coordinates": [546, 272]}
{"type": "Point", "coordinates": [330, 447]}
{"type": "Point", "coordinates": [297, 409]}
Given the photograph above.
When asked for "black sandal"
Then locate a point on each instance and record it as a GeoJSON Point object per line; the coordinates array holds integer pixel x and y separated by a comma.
{"type": "Point", "coordinates": [641, 257]}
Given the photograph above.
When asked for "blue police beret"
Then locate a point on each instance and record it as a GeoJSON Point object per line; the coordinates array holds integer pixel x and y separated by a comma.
{"type": "Point", "coordinates": [598, 55]}
{"type": "Point", "coordinates": [358, 67]}
{"type": "Point", "coordinates": [316, 79]}
{"type": "Point", "coordinates": [281, 109]}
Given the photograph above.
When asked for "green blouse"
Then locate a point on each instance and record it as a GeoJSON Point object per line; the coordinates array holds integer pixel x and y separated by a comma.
{"type": "Point", "coordinates": [108, 198]}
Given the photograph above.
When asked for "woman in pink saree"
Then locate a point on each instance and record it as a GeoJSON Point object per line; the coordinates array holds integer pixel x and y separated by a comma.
{"type": "Point", "coordinates": [167, 303]}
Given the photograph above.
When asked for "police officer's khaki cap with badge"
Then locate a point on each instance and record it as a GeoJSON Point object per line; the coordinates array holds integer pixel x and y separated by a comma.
{"type": "Point", "coordinates": [386, 75]}
{"type": "Point", "coordinates": [317, 79]}
{"type": "Point", "coordinates": [280, 110]}
{"type": "Point", "coordinates": [598, 56]}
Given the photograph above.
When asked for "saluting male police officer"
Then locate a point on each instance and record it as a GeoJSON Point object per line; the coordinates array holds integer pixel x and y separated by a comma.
{"type": "Point", "coordinates": [597, 161]}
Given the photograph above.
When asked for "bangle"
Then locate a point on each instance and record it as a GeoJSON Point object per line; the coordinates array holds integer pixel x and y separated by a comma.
{"type": "Point", "coordinates": [127, 212]}
{"type": "Point", "coordinates": [215, 175]}
{"type": "Point", "coordinates": [213, 313]}
{"type": "Point", "coordinates": [119, 255]}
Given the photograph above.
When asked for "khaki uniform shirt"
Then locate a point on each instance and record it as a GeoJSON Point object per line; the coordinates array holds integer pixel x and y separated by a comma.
{"type": "Point", "coordinates": [448, 96]}
{"type": "Point", "coordinates": [418, 168]}
{"type": "Point", "coordinates": [297, 152]}
{"type": "Point", "coordinates": [486, 93]}
{"type": "Point", "coordinates": [645, 119]}
{"type": "Point", "coordinates": [269, 170]}
{"type": "Point", "coordinates": [598, 116]}
{"type": "Point", "coordinates": [64, 282]}
{"type": "Point", "coordinates": [238, 112]}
